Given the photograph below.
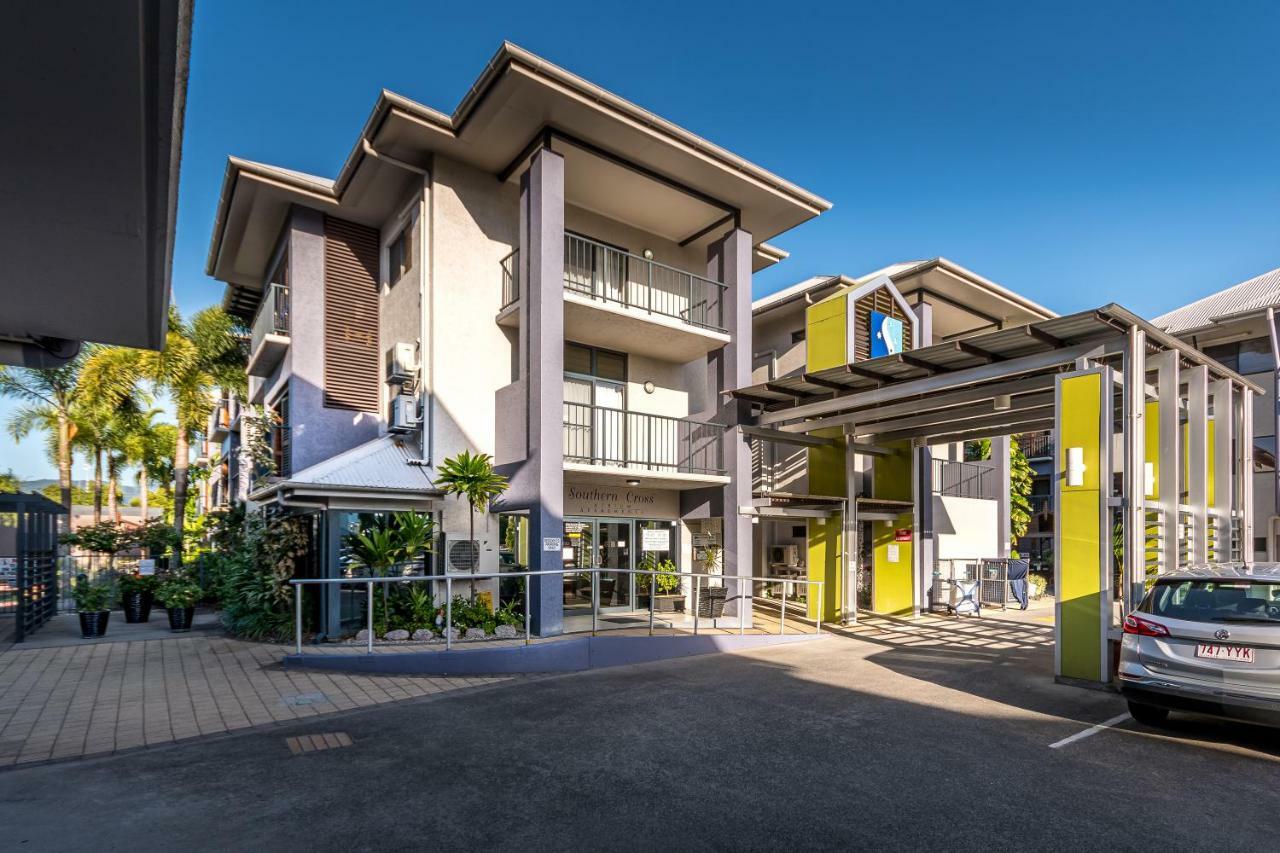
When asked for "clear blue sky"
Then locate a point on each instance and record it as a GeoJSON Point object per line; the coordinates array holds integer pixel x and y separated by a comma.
{"type": "Point", "coordinates": [1079, 153]}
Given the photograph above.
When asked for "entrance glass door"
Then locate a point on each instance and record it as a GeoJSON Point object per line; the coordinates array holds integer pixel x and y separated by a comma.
{"type": "Point", "coordinates": [614, 552]}
{"type": "Point", "coordinates": [598, 543]}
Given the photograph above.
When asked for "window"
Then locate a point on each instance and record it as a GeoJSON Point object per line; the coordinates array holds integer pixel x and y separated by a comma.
{"type": "Point", "coordinates": [598, 363]}
{"type": "Point", "coordinates": [400, 255]}
{"type": "Point", "coordinates": [1251, 356]}
{"type": "Point", "coordinates": [1215, 600]}
{"type": "Point", "coordinates": [1264, 454]}
{"type": "Point", "coordinates": [797, 337]}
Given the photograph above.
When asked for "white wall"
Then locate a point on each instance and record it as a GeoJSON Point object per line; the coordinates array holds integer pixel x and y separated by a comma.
{"type": "Point", "coordinates": [966, 527]}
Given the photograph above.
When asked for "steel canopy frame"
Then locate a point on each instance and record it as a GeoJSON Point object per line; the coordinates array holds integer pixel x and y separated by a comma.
{"type": "Point", "coordinates": [1008, 382]}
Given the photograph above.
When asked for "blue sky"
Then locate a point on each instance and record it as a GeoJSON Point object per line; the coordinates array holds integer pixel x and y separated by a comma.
{"type": "Point", "coordinates": [1079, 153]}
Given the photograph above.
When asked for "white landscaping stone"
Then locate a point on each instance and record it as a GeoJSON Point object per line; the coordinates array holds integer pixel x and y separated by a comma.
{"type": "Point", "coordinates": [362, 636]}
{"type": "Point", "coordinates": [397, 635]}
{"type": "Point", "coordinates": [474, 634]}
{"type": "Point", "coordinates": [454, 633]}
{"type": "Point", "coordinates": [423, 634]}
{"type": "Point", "coordinates": [506, 632]}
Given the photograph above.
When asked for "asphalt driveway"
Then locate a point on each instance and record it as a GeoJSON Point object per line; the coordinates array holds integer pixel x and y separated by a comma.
{"type": "Point", "coordinates": [894, 737]}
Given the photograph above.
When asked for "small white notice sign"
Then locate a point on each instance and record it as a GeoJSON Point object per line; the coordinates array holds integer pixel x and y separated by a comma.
{"type": "Point", "coordinates": [892, 553]}
{"type": "Point", "coordinates": [655, 540]}
{"type": "Point", "coordinates": [146, 567]}
{"type": "Point", "coordinates": [551, 543]}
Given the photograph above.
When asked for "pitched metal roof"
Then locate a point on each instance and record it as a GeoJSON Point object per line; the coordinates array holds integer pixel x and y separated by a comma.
{"type": "Point", "coordinates": [387, 463]}
{"type": "Point", "coordinates": [1058, 333]}
{"type": "Point", "coordinates": [1255, 294]}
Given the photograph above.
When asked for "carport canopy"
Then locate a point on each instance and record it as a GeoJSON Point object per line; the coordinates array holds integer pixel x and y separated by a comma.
{"type": "Point", "coordinates": [992, 384]}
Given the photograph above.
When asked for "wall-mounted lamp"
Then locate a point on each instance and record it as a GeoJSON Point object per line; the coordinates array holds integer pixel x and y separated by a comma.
{"type": "Point", "coordinates": [1075, 466]}
{"type": "Point", "coordinates": [1149, 473]}
{"type": "Point", "coordinates": [648, 254]}
{"type": "Point", "coordinates": [633, 482]}
{"type": "Point", "coordinates": [649, 387]}
{"type": "Point", "coordinates": [1003, 402]}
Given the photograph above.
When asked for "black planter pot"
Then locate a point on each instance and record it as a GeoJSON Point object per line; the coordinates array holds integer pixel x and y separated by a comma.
{"type": "Point", "coordinates": [180, 618]}
{"type": "Point", "coordinates": [93, 624]}
{"type": "Point", "coordinates": [137, 606]}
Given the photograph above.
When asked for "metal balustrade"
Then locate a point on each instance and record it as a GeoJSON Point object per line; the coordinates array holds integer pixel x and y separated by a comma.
{"type": "Point", "coordinates": [510, 279]}
{"type": "Point", "coordinates": [743, 592]}
{"type": "Point", "coordinates": [965, 479]}
{"type": "Point", "coordinates": [272, 317]}
{"type": "Point", "coordinates": [611, 275]}
{"type": "Point", "coordinates": [597, 435]}
{"type": "Point", "coordinates": [1036, 445]}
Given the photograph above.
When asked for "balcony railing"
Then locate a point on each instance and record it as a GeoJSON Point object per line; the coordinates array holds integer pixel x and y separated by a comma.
{"type": "Point", "coordinates": [610, 275]}
{"type": "Point", "coordinates": [597, 435]}
{"type": "Point", "coordinates": [272, 317]}
{"type": "Point", "coordinates": [510, 279]}
{"type": "Point", "coordinates": [1036, 445]}
{"type": "Point", "coordinates": [965, 479]}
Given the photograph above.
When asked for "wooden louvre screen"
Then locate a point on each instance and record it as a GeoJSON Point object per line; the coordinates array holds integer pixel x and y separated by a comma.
{"type": "Point", "coordinates": [351, 362]}
{"type": "Point", "coordinates": [880, 300]}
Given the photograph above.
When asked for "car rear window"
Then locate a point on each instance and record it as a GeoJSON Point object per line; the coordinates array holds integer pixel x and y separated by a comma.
{"type": "Point", "coordinates": [1215, 600]}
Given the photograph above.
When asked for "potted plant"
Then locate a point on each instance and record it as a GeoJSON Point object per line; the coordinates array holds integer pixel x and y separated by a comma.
{"type": "Point", "coordinates": [91, 605]}
{"type": "Point", "coordinates": [136, 594]}
{"type": "Point", "coordinates": [179, 594]}
{"type": "Point", "coordinates": [668, 598]}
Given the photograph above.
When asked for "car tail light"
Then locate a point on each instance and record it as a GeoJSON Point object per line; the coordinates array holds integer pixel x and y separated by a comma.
{"type": "Point", "coordinates": [1144, 627]}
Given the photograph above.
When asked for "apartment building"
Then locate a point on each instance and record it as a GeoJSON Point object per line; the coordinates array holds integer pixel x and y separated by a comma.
{"type": "Point", "coordinates": [799, 489]}
{"type": "Point", "coordinates": [550, 275]}
{"type": "Point", "coordinates": [1236, 327]}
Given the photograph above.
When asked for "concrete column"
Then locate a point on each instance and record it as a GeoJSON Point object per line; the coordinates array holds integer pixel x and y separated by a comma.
{"type": "Point", "coordinates": [1198, 461]}
{"type": "Point", "coordinates": [1000, 447]}
{"type": "Point", "coordinates": [923, 336]}
{"type": "Point", "coordinates": [729, 261]}
{"type": "Point", "coordinates": [542, 339]}
{"type": "Point", "coordinates": [1169, 459]}
{"type": "Point", "coordinates": [927, 550]}
{"type": "Point", "coordinates": [1133, 436]}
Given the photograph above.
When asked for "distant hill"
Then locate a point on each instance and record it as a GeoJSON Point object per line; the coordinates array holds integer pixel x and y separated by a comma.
{"type": "Point", "coordinates": [129, 490]}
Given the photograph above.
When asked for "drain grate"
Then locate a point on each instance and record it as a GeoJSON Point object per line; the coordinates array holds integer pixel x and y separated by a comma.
{"type": "Point", "coordinates": [315, 743]}
{"type": "Point", "coordinates": [316, 698]}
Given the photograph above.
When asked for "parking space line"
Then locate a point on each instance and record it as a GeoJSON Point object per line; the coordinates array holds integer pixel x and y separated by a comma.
{"type": "Point", "coordinates": [1092, 730]}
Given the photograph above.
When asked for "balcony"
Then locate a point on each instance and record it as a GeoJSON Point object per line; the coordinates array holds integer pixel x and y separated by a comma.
{"type": "Point", "coordinates": [219, 420]}
{"type": "Point", "coordinates": [277, 444]}
{"type": "Point", "coordinates": [269, 339]}
{"type": "Point", "coordinates": [965, 479]}
{"type": "Point", "coordinates": [1036, 445]}
{"type": "Point", "coordinates": [653, 309]}
{"type": "Point", "coordinates": [632, 441]}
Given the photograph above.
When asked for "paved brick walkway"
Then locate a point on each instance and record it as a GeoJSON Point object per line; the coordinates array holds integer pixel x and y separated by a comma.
{"type": "Point", "coordinates": [73, 701]}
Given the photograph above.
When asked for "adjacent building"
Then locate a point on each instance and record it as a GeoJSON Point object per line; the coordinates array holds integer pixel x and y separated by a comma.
{"type": "Point", "coordinates": [550, 275]}
{"type": "Point", "coordinates": [1237, 328]}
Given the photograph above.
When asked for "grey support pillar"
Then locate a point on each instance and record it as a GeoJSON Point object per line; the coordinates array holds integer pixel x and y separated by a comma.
{"type": "Point", "coordinates": [1133, 451]}
{"type": "Point", "coordinates": [1244, 491]}
{"type": "Point", "coordinates": [1221, 451]}
{"type": "Point", "coordinates": [923, 336]}
{"type": "Point", "coordinates": [729, 261]}
{"type": "Point", "coordinates": [542, 256]}
{"type": "Point", "coordinates": [1198, 462]}
{"type": "Point", "coordinates": [926, 536]}
{"type": "Point", "coordinates": [1169, 467]}
{"type": "Point", "coordinates": [1000, 447]}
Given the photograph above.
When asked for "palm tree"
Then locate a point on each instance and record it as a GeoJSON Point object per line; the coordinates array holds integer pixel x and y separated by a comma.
{"type": "Point", "coordinates": [200, 356]}
{"type": "Point", "coordinates": [149, 446]}
{"type": "Point", "coordinates": [471, 476]}
{"type": "Point", "coordinates": [47, 395]}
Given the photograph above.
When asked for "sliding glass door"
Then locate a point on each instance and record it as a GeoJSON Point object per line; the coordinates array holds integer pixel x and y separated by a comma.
{"type": "Point", "coordinates": [605, 544]}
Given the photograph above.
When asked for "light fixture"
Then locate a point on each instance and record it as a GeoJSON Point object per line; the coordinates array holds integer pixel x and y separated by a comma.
{"type": "Point", "coordinates": [1003, 402]}
{"type": "Point", "coordinates": [1075, 466]}
{"type": "Point", "coordinates": [648, 254]}
{"type": "Point", "coordinates": [649, 387]}
{"type": "Point", "coordinates": [633, 482]}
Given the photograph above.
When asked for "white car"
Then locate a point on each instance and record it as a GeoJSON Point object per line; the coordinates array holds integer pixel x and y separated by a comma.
{"type": "Point", "coordinates": [1206, 640]}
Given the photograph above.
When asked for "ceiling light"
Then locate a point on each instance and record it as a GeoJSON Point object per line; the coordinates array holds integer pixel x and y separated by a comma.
{"type": "Point", "coordinates": [633, 482]}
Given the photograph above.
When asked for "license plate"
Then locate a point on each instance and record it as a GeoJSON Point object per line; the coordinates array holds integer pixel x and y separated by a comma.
{"type": "Point", "coordinates": [1241, 654]}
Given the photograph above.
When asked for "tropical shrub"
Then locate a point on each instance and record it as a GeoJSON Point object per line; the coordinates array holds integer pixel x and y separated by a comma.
{"type": "Point", "coordinates": [90, 597]}
{"type": "Point", "coordinates": [668, 581]}
{"type": "Point", "coordinates": [250, 573]}
{"type": "Point", "coordinates": [131, 582]}
{"type": "Point", "coordinates": [178, 591]}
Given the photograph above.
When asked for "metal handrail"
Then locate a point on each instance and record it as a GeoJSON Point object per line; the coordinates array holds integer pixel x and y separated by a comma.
{"type": "Point", "coordinates": [953, 478]}
{"type": "Point", "coordinates": [369, 582]}
{"type": "Point", "coordinates": [510, 279]}
{"type": "Point", "coordinates": [614, 275]}
{"type": "Point", "coordinates": [272, 317]}
{"type": "Point", "coordinates": [599, 435]}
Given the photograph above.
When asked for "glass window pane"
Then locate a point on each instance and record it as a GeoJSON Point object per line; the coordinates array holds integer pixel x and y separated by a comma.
{"type": "Point", "coordinates": [577, 359]}
{"type": "Point", "coordinates": [611, 365]}
{"type": "Point", "coordinates": [1255, 356]}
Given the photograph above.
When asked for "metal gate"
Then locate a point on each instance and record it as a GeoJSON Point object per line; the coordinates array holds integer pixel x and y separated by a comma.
{"type": "Point", "coordinates": [28, 564]}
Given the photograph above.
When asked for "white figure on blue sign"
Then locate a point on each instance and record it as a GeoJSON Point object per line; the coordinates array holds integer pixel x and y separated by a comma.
{"type": "Point", "coordinates": [886, 335]}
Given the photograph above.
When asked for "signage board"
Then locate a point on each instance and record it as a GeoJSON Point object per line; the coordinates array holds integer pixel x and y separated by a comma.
{"type": "Point", "coordinates": [886, 334]}
{"type": "Point", "coordinates": [656, 540]}
{"type": "Point", "coordinates": [551, 543]}
{"type": "Point", "coordinates": [593, 499]}
{"type": "Point", "coordinates": [902, 534]}
{"type": "Point", "coordinates": [891, 553]}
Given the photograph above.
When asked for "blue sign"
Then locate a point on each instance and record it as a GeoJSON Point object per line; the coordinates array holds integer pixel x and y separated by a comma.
{"type": "Point", "coordinates": [886, 335]}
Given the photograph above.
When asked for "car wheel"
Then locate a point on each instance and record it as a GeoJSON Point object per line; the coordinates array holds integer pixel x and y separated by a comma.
{"type": "Point", "coordinates": [1148, 715]}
